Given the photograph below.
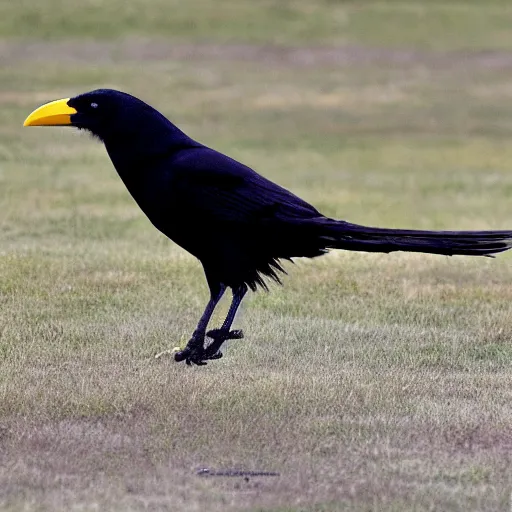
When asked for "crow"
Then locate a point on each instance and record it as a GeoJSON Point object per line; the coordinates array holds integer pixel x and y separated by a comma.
{"type": "Point", "coordinates": [239, 224]}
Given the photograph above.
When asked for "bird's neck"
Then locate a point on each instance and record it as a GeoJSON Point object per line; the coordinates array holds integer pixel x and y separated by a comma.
{"type": "Point", "coordinates": [145, 169]}
{"type": "Point", "coordinates": [131, 150]}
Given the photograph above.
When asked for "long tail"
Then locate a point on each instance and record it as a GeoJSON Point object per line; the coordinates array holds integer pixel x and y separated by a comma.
{"type": "Point", "coordinates": [352, 237]}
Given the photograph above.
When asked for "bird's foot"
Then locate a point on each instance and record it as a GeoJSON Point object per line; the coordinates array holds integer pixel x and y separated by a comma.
{"type": "Point", "coordinates": [196, 353]}
{"type": "Point", "coordinates": [219, 336]}
{"type": "Point", "coordinates": [193, 353]}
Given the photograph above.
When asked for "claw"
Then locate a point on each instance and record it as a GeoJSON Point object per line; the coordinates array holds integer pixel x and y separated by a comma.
{"type": "Point", "coordinates": [195, 353]}
{"type": "Point", "coordinates": [197, 361]}
{"type": "Point", "coordinates": [191, 357]}
{"type": "Point", "coordinates": [219, 336]}
{"type": "Point", "coordinates": [181, 355]}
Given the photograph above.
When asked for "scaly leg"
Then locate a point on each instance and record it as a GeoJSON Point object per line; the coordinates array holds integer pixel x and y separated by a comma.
{"type": "Point", "coordinates": [194, 351]}
{"type": "Point", "coordinates": [219, 336]}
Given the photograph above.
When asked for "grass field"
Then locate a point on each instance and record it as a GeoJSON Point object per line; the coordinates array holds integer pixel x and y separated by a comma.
{"type": "Point", "coordinates": [369, 382]}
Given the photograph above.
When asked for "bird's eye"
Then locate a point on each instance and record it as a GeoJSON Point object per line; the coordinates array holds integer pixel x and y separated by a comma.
{"type": "Point", "coordinates": [94, 105]}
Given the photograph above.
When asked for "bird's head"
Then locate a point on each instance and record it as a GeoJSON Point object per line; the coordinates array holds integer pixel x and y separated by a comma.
{"type": "Point", "coordinates": [108, 114]}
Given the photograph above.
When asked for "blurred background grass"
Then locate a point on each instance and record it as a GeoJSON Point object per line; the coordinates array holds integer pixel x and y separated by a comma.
{"type": "Point", "coordinates": [369, 381]}
{"type": "Point", "coordinates": [459, 24]}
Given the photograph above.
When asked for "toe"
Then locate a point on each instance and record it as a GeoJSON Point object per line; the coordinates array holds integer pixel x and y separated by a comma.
{"type": "Point", "coordinates": [224, 334]}
{"type": "Point", "coordinates": [182, 355]}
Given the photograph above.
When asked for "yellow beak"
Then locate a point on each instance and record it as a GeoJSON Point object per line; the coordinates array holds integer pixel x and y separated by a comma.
{"type": "Point", "coordinates": [55, 113]}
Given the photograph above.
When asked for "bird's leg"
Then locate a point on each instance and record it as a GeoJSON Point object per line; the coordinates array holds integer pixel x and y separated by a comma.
{"type": "Point", "coordinates": [194, 350]}
{"type": "Point", "coordinates": [223, 334]}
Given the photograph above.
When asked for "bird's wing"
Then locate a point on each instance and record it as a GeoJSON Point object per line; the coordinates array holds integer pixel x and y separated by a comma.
{"type": "Point", "coordinates": [220, 189]}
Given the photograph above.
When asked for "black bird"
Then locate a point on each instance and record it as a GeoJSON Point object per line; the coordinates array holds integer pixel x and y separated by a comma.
{"type": "Point", "coordinates": [236, 222]}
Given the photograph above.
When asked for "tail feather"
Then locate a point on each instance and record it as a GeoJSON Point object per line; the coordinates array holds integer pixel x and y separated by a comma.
{"type": "Point", "coordinates": [344, 235]}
